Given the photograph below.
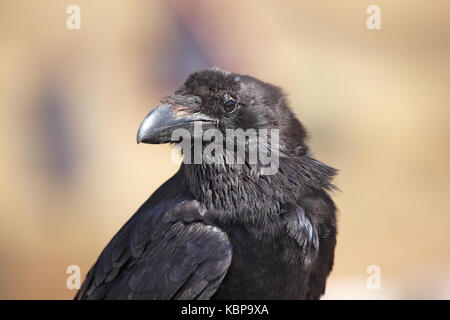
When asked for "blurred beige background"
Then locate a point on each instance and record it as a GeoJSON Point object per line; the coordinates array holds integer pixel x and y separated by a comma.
{"type": "Point", "coordinates": [376, 104]}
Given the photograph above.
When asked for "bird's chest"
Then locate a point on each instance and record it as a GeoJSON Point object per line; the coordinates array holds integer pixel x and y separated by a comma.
{"type": "Point", "coordinates": [259, 271]}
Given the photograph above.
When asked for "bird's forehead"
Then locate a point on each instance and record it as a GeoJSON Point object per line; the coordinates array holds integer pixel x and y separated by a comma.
{"type": "Point", "coordinates": [210, 82]}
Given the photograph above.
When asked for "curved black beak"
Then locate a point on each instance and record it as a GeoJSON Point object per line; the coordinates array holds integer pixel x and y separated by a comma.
{"type": "Point", "coordinates": [158, 126]}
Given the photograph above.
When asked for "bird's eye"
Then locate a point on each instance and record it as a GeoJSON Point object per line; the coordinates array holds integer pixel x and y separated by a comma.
{"type": "Point", "coordinates": [229, 106]}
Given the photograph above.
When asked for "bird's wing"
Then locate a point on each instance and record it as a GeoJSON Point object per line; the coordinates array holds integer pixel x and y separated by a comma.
{"type": "Point", "coordinates": [325, 218]}
{"type": "Point", "coordinates": [161, 253]}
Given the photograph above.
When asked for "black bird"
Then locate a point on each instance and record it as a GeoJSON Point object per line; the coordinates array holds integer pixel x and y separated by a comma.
{"type": "Point", "coordinates": [223, 230]}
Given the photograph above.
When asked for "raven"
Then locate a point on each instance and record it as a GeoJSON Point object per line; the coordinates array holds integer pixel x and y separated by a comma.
{"type": "Point", "coordinates": [225, 230]}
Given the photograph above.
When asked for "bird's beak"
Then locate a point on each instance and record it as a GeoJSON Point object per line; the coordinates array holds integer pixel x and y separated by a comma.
{"type": "Point", "coordinates": [159, 124]}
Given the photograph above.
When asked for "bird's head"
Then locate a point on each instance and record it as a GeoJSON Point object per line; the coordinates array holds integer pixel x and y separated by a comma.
{"type": "Point", "coordinates": [247, 191]}
{"type": "Point", "coordinates": [223, 100]}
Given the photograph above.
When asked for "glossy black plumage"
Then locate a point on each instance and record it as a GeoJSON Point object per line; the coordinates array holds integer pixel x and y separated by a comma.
{"type": "Point", "coordinates": [227, 231]}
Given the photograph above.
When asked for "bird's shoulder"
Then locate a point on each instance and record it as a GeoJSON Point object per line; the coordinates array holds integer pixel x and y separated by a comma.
{"type": "Point", "coordinates": [168, 249]}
